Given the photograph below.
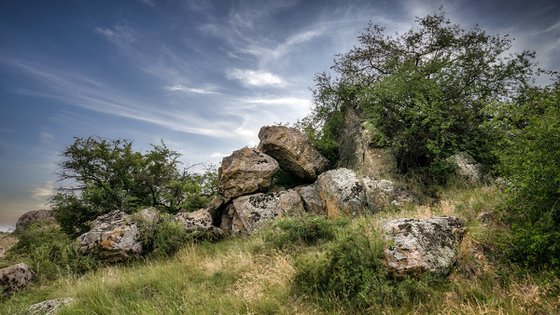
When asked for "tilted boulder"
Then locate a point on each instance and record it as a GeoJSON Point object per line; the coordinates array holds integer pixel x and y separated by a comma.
{"type": "Point", "coordinates": [48, 307]}
{"type": "Point", "coordinates": [246, 171]}
{"type": "Point", "coordinates": [15, 278]}
{"type": "Point", "coordinates": [293, 151]}
{"type": "Point", "coordinates": [343, 193]}
{"type": "Point", "coordinates": [248, 213]}
{"type": "Point", "coordinates": [421, 245]}
{"type": "Point", "coordinates": [311, 199]}
{"type": "Point", "coordinates": [467, 167]}
{"type": "Point", "coordinates": [113, 237]}
{"type": "Point", "coordinates": [35, 216]}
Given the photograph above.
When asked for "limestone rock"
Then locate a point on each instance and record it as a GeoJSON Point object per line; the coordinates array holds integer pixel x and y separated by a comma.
{"type": "Point", "coordinates": [343, 193]}
{"type": "Point", "coordinates": [421, 245]}
{"type": "Point", "coordinates": [467, 167]}
{"type": "Point", "coordinates": [246, 171]}
{"type": "Point", "coordinates": [48, 307]}
{"type": "Point", "coordinates": [199, 220]}
{"type": "Point", "coordinates": [311, 199]}
{"type": "Point", "coordinates": [293, 151]}
{"type": "Point", "coordinates": [30, 217]}
{"type": "Point", "coordinates": [15, 278]}
{"type": "Point", "coordinates": [113, 237]}
{"type": "Point", "coordinates": [248, 213]}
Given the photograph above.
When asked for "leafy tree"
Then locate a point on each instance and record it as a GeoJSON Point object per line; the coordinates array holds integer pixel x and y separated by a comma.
{"type": "Point", "coordinates": [530, 160]}
{"type": "Point", "coordinates": [424, 91]}
{"type": "Point", "coordinates": [105, 175]}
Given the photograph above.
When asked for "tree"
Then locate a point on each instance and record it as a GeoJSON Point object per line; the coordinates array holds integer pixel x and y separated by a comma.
{"type": "Point", "coordinates": [424, 91]}
{"type": "Point", "coordinates": [106, 175]}
{"type": "Point", "coordinates": [529, 152]}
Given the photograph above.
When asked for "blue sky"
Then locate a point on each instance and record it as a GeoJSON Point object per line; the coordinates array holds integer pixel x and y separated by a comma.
{"type": "Point", "coordinates": [204, 76]}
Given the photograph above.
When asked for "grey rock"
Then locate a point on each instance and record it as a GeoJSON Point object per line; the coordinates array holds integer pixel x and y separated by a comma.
{"type": "Point", "coordinates": [485, 217]}
{"type": "Point", "coordinates": [246, 171]}
{"type": "Point", "coordinates": [200, 220]}
{"type": "Point", "coordinates": [248, 213]}
{"type": "Point", "coordinates": [48, 307]}
{"type": "Point", "coordinates": [343, 193]}
{"type": "Point", "coordinates": [423, 245]}
{"type": "Point", "coordinates": [311, 199]}
{"type": "Point", "coordinates": [293, 151]}
{"type": "Point", "coordinates": [35, 216]}
{"type": "Point", "coordinates": [15, 278]}
{"type": "Point", "coordinates": [114, 237]}
{"type": "Point", "coordinates": [148, 215]}
{"type": "Point", "coordinates": [466, 167]}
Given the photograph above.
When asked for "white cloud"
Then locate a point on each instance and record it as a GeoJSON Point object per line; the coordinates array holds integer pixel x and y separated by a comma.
{"type": "Point", "coordinates": [149, 3]}
{"type": "Point", "coordinates": [120, 34]}
{"type": "Point", "coordinates": [218, 155]}
{"type": "Point", "coordinates": [257, 78]}
{"type": "Point", "coordinates": [46, 137]}
{"type": "Point", "coordinates": [43, 192]}
{"type": "Point", "coordinates": [182, 88]}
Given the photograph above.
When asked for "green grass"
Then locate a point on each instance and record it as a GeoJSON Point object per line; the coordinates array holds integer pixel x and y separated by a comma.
{"type": "Point", "coordinates": [280, 269]}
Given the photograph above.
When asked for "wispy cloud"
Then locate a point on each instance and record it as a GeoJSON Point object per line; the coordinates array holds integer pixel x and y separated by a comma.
{"type": "Point", "coordinates": [182, 88]}
{"type": "Point", "coordinates": [120, 34]}
{"type": "Point", "coordinates": [44, 191]}
{"type": "Point", "coordinates": [257, 78]}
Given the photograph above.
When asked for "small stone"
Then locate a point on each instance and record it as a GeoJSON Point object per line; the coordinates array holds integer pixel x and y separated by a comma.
{"type": "Point", "coordinates": [48, 307]}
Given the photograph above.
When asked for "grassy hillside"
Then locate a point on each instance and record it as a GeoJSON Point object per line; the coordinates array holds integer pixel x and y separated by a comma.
{"type": "Point", "coordinates": [258, 275]}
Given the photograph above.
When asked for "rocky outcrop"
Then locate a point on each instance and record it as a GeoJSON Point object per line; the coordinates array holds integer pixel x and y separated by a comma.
{"type": "Point", "coordinates": [248, 213]}
{"type": "Point", "coordinates": [49, 307]}
{"type": "Point", "coordinates": [421, 245]}
{"type": "Point", "coordinates": [35, 216]}
{"type": "Point", "coordinates": [15, 278]}
{"type": "Point", "coordinates": [466, 167]}
{"type": "Point", "coordinates": [343, 193]}
{"type": "Point", "coordinates": [246, 171]}
{"type": "Point", "coordinates": [293, 151]}
{"type": "Point", "coordinates": [311, 199]}
{"type": "Point", "coordinates": [113, 237]}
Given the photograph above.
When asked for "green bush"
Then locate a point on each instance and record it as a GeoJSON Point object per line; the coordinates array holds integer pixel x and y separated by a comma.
{"type": "Point", "coordinates": [530, 160]}
{"type": "Point", "coordinates": [352, 276]}
{"type": "Point", "coordinates": [306, 230]}
{"type": "Point", "coordinates": [51, 253]}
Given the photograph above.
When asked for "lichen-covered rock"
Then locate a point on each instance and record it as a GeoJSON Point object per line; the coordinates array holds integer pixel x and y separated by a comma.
{"type": "Point", "coordinates": [248, 213]}
{"type": "Point", "coordinates": [113, 237]}
{"type": "Point", "coordinates": [199, 220]}
{"type": "Point", "coordinates": [246, 171]}
{"type": "Point", "coordinates": [383, 193]}
{"type": "Point", "coordinates": [343, 193]}
{"type": "Point", "coordinates": [15, 278]}
{"type": "Point", "coordinates": [421, 245]}
{"type": "Point", "coordinates": [467, 167]}
{"type": "Point", "coordinates": [293, 151]}
{"type": "Point", "coordinates": [311, 199]}
{"type": "Point", "coordinates": [49, 307]}
{"type": "Point", "coordinates": [35, 216]}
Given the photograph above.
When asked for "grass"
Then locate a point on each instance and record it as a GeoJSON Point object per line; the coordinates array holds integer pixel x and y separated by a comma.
{"type": "Point", "coordinates": [259, 274]}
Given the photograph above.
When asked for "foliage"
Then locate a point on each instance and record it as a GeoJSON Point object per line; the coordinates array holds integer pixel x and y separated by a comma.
{"type": "Point", "coordinates": [50, 252]}
{"type": "Point", "coordinates": [352, 276]}
{"type": "Point", "coordinates": [530, 160]}
{"type": "Point", "coordinates": [108, 174]}
{"type": "Point", "coordinates": [424, 91]}
{"type": "Point", "coordinates": [306, 230]}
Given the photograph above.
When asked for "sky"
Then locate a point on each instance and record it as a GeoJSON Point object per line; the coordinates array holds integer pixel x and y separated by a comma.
{"type": "Point", "coordinates": [204, 76]}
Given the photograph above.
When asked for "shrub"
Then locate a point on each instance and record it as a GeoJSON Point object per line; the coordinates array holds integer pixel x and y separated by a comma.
{"type": "Point", "coordinates": [306, 230]}
{"type": "Point", "coordinates": [352, 275]}
{"type": "Point", "coordinates": [51, 253]}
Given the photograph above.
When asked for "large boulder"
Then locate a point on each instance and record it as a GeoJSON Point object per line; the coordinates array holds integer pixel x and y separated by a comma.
{"type": "Point", "coordinates": [48, 307]}
{"type": "Point", "coordinates": [35, 216]}
{"type": "Point", "coordinates": [15, 278]}
{"type": "Point", "coordinates": [467, 167]}
{"type": "Point", "coordinates": [311, 199]}
{"type": "Point", "coordinates": [423, 245]}
{"type": "Point", "coordinates": [248, 213]}
{"type": "Point", "coordinates": [343, 193]}
{"type": "Point", "coordinates": [246, 171]}
{"type": "Point", "coordinates": [293, 151]}
{"type": "Point", "coordinates": [113, 237]}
